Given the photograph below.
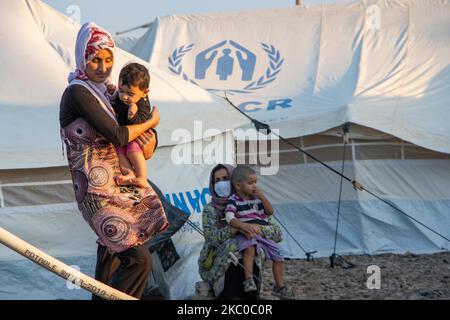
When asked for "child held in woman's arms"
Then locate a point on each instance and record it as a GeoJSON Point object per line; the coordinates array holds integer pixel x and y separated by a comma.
{"type": "Point", "coordinates": [249, 205]}
{"type": "Point", "coordinates": [132, 106]}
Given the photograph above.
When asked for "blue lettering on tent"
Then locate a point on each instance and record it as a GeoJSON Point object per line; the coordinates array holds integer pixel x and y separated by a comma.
{"type": "Point", "coordinates": [250, 106]}
{"type": "Point", "coordinates": [179, 201]}
{"type": "Point", "coordinates": [196, 199]}
{"type": "Point", "coordinates": [283, 103]}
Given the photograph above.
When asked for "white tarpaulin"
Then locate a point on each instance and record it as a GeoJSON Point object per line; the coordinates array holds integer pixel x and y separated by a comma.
{"type": "Point", "coordinates": [381, 64]}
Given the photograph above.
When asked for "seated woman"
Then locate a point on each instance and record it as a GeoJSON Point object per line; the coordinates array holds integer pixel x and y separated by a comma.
{"type": "Point", "coordinates": [215, 262]}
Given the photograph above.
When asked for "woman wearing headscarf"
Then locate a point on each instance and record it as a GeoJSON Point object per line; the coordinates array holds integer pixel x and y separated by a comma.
{"type": "Point", "coordinates": [123, 218]}
{"type": "Point", "coordinates": [215, 262]}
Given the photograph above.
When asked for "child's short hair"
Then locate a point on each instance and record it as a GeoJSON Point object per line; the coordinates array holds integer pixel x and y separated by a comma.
{"type": "Point", "coordinates": [241, 173]}
{"type": "Point", "coordinates": [135, 74]}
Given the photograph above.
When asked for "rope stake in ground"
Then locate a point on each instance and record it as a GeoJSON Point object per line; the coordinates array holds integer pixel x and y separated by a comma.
{"type": "Point", "coordinates": [345, 131]}
{"type": "Point", "coordinates": [59, 268]}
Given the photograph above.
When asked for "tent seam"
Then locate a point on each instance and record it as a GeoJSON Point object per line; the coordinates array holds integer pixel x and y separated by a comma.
{"type": "Point", "coordinates": [403, 72]}
{"type": "Point", "coordinates": [317, 67]}
{"type": "Point", "coordinates": [320, 49]}
{"type": "Point", "coordinates": [363, 42]}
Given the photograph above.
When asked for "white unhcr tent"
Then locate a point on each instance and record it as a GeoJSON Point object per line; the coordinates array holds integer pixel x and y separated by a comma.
{"type": "Point", "coordinates": [382, 66]}
{"type": "Point", "coordinates": [36, 195]}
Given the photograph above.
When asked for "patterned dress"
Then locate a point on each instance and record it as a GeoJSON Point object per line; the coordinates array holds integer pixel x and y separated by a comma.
{"type": "Point", "coordinates": [122, 217]}
{"type": "Point", "coordinates": [215, 259]}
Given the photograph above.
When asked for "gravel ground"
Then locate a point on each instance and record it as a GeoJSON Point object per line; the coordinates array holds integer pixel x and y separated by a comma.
{"type": "Point", "coordinates": [403, 277]}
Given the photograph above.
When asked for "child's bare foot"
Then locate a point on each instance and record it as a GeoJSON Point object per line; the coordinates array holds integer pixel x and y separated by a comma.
{"type": "Point", "coordinates": [126, 178]}
{"type": "Point", "coordinates": [123, 181]}
{"type": "Point", "coordinates": [140, 182]}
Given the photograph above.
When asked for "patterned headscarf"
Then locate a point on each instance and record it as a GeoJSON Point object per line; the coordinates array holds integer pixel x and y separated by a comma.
{"type": "Point", "coordinates": [218, 202]}
{"type": "Point", "coordinates": [90, 40]}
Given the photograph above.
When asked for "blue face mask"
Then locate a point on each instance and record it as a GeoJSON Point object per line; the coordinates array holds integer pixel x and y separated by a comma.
{"type": "Point", "coordinates": [223, 188]}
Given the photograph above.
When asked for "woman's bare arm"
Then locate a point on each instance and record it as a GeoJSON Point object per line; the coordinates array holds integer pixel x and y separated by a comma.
{"type": "Point", "coordinates": [136, 130]}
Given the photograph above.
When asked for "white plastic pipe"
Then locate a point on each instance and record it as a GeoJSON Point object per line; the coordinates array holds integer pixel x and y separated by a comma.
{"type": "Point", "coordinates": [61, 269]}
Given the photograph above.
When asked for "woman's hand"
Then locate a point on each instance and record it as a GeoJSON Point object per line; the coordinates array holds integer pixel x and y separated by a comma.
{"type": "Point", "coordinates": [233, 230]}
{"type": "Point", "coordinates": [257, 229]}
{"type": "Point", "coordinates": [147, 142]}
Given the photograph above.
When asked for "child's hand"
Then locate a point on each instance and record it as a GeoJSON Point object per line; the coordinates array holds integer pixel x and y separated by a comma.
{"type": "Point", "coordinates": [111, 88]}
{"type": "Point", "coordinates": [132, 110]}
{"type": "Point", "coordinates": [266, 203]}
{"type": "Point", "coordinates": [258, 193]}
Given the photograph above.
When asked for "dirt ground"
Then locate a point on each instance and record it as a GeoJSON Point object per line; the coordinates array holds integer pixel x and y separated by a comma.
{"type": "Point", "coordinates": [402, 277]}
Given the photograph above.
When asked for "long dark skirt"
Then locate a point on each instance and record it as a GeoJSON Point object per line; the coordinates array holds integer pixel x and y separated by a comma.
{"type": "Point", "coordinates": [126, 271]}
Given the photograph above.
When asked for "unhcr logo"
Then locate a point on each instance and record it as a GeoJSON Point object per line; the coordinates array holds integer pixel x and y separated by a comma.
{"type": "Point", "coordinates": [227, 63]}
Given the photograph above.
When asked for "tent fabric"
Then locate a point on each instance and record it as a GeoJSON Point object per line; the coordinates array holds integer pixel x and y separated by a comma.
{"type": "Point", "coordinates": [381, 64]}
{"type": "Point", "coordinates": [127, 40]}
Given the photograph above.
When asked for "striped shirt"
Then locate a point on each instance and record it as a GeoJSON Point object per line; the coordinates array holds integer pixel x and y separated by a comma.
{"type": "Point", "coordinates": [245, 210]}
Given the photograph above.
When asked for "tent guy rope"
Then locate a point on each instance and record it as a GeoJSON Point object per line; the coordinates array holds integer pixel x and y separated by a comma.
{"type": "Point", "coordinates": [357, 185]}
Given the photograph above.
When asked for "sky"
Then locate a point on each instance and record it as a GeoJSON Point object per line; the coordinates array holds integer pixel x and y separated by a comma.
{"type": "Point", "coordinates": [122, 15]}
